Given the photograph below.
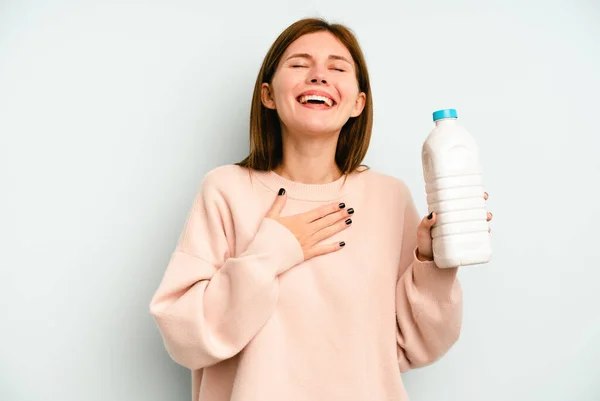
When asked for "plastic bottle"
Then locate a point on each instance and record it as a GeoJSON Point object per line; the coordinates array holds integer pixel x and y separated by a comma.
{"type": "Point", "coordinates": [454, 186]}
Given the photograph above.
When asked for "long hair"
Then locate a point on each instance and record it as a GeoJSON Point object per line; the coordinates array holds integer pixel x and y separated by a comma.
{"type": "Point", "coordinates": [266, 147]}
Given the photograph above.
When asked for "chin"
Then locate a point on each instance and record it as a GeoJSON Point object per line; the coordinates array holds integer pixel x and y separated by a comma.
{"type": "Point", "coordinates": [317, 126]}
{"type": "Point", "coordinates": [317, 129]}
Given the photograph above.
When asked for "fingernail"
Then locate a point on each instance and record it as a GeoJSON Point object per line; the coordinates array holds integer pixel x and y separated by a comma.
{"type": "Point", "coordinates": [348, 221]}
{"type": "Point", "coordinates": [342, 205]}
{"type": "Point", "coordinates": [342, 243]}
{"type": "Point", "coordinates": [351, 210]}
{"type": "Point", "coordinates": [281, 191]}
{"type": "Point", "coordinates": [429, 217]}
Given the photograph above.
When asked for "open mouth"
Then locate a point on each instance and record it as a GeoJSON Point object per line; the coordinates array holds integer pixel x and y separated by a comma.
{"type": "Point", "coordinates": [316, 99]}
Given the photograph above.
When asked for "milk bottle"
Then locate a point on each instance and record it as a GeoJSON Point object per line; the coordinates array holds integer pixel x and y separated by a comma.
{"type": "Point", "coordinates": [454, 186]}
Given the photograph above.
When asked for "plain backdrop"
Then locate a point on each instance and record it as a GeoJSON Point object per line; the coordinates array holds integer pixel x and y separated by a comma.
{"type": "Point", "coordinates": [112, 112]}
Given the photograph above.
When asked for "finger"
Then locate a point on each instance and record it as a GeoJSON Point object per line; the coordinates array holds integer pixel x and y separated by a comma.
{"type": "Point", "coordinates": [278, 205]}
{"type": "Point", "coordinates": [489, 216]}
{"type": "Point", "coordinates": [323, 211]}
{"type": "Point", "coordinates": [429, 220]}
{"type": "Point", "coordinates": [331, 219]}
{"type": "Point", "coordinates": [331, 230]}
{"type": "Point", "coordinates": [485, 196]}
{"type": "Point", "coordinates": [323, 249]}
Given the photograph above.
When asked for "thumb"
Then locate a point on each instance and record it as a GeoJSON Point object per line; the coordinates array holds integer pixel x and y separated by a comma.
{"type": "Point", "coordinates": [278, 205]}
{"type": "Point", "coordinates": [429, 220]}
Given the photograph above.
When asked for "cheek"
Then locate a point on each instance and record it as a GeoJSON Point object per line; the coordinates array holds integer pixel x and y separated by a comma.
{"type": "Point", "coordinates": [284, 97]}
{"type": "Point", "coordinates": [283, 85]}
{"type": "Point", "coordinates": [276, 88]}
{"type": "Point", "coordinates": [349, 92]}
{"type": "Point", "coordinates": [348, 87]}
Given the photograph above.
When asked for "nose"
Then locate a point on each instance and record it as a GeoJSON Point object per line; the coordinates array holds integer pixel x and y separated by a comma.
{"type": "Point", "coordinates": [319, 79]}
{"type": "Point", "coordinates": [317, 75]}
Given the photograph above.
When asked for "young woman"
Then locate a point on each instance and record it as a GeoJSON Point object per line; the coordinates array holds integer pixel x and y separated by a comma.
{"type": "Point", "coordinates": [300, 274]}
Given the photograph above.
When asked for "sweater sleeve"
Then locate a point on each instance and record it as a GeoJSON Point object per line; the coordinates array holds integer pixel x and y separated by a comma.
{"type": "Point", "coordinates": [210, 304]}
{"type": "Point", "coordinates": [428, 302]}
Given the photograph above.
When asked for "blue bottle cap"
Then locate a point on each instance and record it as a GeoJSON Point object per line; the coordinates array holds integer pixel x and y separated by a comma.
{"type": "Point", "coordinates": [446, 113]}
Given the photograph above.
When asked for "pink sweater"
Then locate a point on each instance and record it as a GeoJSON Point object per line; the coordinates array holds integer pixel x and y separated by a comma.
{"type": "Point", "coordinates": [254, 322]}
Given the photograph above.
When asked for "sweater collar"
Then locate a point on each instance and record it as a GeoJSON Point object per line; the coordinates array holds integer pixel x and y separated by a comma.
{"type": "Point", "coordinates": [308, 192]}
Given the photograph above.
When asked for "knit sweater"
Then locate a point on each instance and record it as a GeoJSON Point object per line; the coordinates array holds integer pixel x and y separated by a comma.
{"type": "Point", "coordinates": [253, 321]}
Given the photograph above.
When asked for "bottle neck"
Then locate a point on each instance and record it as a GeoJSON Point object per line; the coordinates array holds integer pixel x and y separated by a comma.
{"type": "Point", "coordinates": [446, 121]}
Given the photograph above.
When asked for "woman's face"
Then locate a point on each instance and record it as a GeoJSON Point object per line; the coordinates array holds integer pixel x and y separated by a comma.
{"type": "Point", "coordinates": [314, 89]}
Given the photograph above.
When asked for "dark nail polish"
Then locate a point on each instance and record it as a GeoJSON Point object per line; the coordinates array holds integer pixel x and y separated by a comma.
{"type": "Point", "coordinates": [348, 221]}
{"type": "Point", "coordinates": [281, 191]}
{"type": "Point", "coordinates": [430, 216]}
{"type": "Point", "coordinates": [342, 243]}
{"type": "Point", "coordinates": [350, 211]}
{"type": "Point", "coordinates": [342, 205]}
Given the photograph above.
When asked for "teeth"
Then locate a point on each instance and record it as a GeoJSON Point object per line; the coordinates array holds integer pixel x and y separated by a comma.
{"type": "Point", "coordinates": [326, 100]}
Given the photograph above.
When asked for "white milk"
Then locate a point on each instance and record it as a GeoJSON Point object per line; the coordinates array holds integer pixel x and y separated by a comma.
{"type": "Point", "coordinates": [454, 187]}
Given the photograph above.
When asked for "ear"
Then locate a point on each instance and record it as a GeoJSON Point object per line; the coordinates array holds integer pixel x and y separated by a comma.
{"type": "Point", "coordinates": [359, 105]}
{"type": "Point", "coordinates": [266, 96]}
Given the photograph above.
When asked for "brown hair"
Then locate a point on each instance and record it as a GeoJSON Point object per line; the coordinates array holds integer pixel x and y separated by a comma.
{"type": "Point", "coordinates": [266, 148]}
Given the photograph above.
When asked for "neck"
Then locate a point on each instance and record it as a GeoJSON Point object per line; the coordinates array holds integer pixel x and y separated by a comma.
{"type": "Point", "coordinates": [309, 160]}
{"type": "Point", "coordinates": [446, 121]}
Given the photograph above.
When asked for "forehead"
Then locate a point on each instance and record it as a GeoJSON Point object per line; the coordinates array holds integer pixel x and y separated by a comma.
{"type": "Point", "coordinates": [318, 43]}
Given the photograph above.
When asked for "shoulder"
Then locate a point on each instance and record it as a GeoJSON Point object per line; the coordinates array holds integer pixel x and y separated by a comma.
{"type": "Point", "coordinates": [221, 180]}
{"type": "Point", "coordinates": [225, 174]}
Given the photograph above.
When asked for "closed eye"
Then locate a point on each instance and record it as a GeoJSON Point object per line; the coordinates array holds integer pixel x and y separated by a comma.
{"type": "Point", "coordinates": [299, 66]}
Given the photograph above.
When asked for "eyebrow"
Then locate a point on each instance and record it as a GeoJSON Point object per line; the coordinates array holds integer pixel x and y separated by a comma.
{"type": "Point", "coordinates": [331, 57]}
